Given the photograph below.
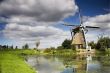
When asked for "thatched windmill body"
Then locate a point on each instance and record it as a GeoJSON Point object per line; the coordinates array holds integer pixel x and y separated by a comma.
{"type": "Point", "coordinates": [78, 34]}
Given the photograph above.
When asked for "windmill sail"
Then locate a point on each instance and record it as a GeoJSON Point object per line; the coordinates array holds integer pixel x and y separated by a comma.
{"type": "Point", "coordinates": [80, 17]}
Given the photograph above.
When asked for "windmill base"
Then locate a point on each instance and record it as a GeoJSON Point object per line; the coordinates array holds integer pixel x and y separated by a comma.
{"type": "Point", "coordinates": [82, 51]}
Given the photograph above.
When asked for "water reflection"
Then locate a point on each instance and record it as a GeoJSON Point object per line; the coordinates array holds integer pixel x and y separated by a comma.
{"type": "Point", "coordinates": [93, 66]}
{"type": "Point", "coordinates": [87, 63]}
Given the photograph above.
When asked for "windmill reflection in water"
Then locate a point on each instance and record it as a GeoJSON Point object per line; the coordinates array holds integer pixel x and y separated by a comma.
{"type": "Point", "coordinates": [85, 65]}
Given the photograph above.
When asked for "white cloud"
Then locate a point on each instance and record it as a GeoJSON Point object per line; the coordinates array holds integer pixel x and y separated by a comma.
{"type": "Point", "coordinates": [27, 33]}
{"type": "Point", "coordinates": [31, 20]}
{"type": "Point", "coordinates": [49, 35]}
{"type": "Point", "coordinates": [48, 10]}
{"type": "Point", "coordinates": [102, 21]}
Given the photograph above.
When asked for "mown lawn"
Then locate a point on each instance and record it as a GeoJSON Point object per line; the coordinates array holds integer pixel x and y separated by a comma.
{"type": "Point", "coordinates": [13, 63]}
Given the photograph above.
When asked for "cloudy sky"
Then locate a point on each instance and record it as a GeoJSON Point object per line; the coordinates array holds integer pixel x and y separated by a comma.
{"type": "Point", "coordinates": [30, 21]}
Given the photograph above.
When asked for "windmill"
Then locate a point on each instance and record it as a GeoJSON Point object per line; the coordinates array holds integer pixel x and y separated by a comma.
{"type": "Point", "coordinates": [78, 34]}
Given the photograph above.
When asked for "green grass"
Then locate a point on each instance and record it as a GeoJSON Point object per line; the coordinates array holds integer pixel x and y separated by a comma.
{"type": "Point", "coordinates": [108, 50]}
{"type": "Point", "coordinates": [13, 62]}
{"type": "Point", "coordinates": [63, 52]}
{"type": "Point", "coordinates": [25, 52]}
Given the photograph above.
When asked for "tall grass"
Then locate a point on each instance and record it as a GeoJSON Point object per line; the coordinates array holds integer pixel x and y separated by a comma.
{"type": "Point", "coordinates": [13, 62]}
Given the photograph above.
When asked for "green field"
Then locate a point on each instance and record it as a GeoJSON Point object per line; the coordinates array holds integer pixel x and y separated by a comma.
{"type": "Point", "coordinates": [13, 62]}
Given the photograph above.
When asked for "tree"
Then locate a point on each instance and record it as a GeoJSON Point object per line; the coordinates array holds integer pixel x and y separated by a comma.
{"type": "Point", "coordinates": [47, 50]}
{"type": "Point", "coordinates": [37, 44]}
{"type": "Point", "coordinates": [66, 44]}
{"type": "Point", "coordinates": [103, 43]}
{"type": "Point", "coordinates": [16, 47]}
{"type": "Point", "coordinates": [7, 47]}
{"type": "Point", "coordinates": [0, 46]}
{"type": "Point", "coordinates": [11, 47]}
{"type": "Point", "coordinates": [92, 44]}
{"type": "Point", "coordinates": [26, 46]}
{"type": "Point", "coordinates": [4, 47]}
{"type": "Point", "coordinates": [60, 47]}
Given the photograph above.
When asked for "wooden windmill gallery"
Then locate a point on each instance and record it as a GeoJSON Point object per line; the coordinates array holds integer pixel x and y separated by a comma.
{"type": "Point", "coordinates": [78, 36]}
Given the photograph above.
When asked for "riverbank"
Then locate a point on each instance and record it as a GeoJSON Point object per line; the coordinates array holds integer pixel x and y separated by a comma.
{"type": "Point", "coordinates": [106, 52]}
{"type": "Point", "coordinates": [57, 52]}
{"type": "Point", "coordinates": [14, 62]}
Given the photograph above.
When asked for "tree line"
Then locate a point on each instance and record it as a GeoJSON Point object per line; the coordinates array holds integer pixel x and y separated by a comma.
{"type": "Point", "coordinates": [25, 46]}
{"type": "Point", "coordinates": [6, 47]}
{"type": "Point", "coordinates": [102, 43]}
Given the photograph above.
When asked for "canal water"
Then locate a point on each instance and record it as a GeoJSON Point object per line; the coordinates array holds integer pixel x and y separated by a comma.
{"type": "Point", "coordinates": [70, 64]}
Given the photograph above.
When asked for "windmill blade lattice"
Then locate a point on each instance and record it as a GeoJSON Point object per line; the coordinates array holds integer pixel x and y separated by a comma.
{"type": "Point", "coordinates": [91, 27]}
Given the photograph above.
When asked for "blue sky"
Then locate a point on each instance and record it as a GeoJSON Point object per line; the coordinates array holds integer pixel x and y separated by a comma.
{"type": "Point", "coordinates": [89, 8]}
{"type": "Point", "coordinates": [92, 9]}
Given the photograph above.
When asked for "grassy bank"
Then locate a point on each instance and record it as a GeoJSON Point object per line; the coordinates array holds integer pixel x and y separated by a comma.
{"type": "Point", "coordinates": [63, 52]}
{"type": "Point", "coordinates": [100, 52]}
{"type": "Point", "coordinates": [13, 62]}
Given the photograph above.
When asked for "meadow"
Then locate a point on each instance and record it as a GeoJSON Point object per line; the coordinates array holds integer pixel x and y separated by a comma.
{"type": "Point", "coordinates": [14, 62]}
